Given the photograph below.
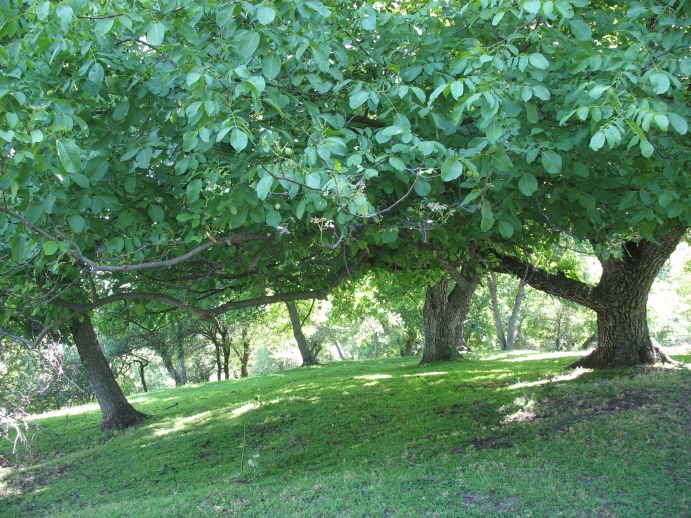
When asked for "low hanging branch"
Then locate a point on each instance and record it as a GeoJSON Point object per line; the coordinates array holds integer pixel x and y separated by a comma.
{"type": "Point", "coordinates": [167, 263]}
{"type": "Point", "coordinates": [79, 309]}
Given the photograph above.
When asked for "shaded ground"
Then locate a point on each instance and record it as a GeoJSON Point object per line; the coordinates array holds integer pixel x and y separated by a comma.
{"type": "Point", "coordinates": [511, 435]}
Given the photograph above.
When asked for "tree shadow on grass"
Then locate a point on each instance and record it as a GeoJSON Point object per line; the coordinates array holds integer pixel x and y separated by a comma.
{"type": "Point", "coordinates": [369, 413]}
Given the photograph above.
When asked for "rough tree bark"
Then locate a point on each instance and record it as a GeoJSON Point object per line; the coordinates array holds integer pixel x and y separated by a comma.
{"type": "Point", "coordinates": [117, 412]}
{"type": "Point", "coordinates": [444, 311]}
{"type": "Point", "coordinates": [619, 300]}
{"type": "Point", "coordinates": [308, 356]}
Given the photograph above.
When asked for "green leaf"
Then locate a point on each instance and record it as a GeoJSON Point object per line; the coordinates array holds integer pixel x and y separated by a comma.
{"type": "Point", "coordinates": [37, 136]}
{"type": "Point", "coordinates": [369, 21]}
{"type": "Point", "coordinates": [597, 91]}
{"type": "Point", "coordinates": [422, 187]}
{"type": "Point", "coordinates": [193, 189]}
{"type": "Point", "coordinates": [661, 121]}
{"type": "Point", "coordinates": [660, 82]}
{"type": "Point", "coordinates": [50, 247]}
{"type": "Point", "coordinates": [76, 223]}
{"type": "Point", "coordinates": [156, 213]}
{"type": "Point", "coordinates": [597, 141]}
{"type": "Point", "coordinates": [238, 139]}
{"type": "Point", "coordinates": [18, 247]}
{"type": "Point", "coordinates": [397, 163]}
{"type": "Point", "coordinates": [96, 73]}
{"type": "Point", "coordinates": [538, 61]}
{"type": "Point", "coordinates": [103, 26]}
{"type": "Point", "coordinates": [155, 34]}
{"type": "Point", "coordinates": [273, 218]}
{"type": "Point", "coordinates": [581, 30]}
{"type": "Point", "coordinates": [271, 65]}
{"type": "Point", "coordinates": [451, 169]}
{"type": "Point", "coordinates": [487, 221]}
{"type": "Point", "coordinates": [541, 92]}
{"type": "Point", "coordinates": [677, 121]}
{"type": "Point", "coordinates": [65, 14]}
{"type": "Point", "coordinates": [43, 10]}
{"type": "Point", "coordinates": [358, 99]}
{"type": "Point", "coordinates": [120, 111]}
{"type": "Point", "coordinates": [265, 15]}
{"type": "Point", "coordinates": [505, 229]}
{"type": "Point", "coordinates": [647, 148]}
{"type": "Point", "coordinates": [80, 179]}
{"type": "Point", "coordinates": [527, 184]}
{"type": "Point", "coordinates": [248, 43]}
{"type": "Point", "coordinates": [192, 77]}
{"type": "Point", "coordinates": [264, 187]}
{"type": "Point", "coordinates": [551, 161]}
{"type": "Point", "coordinates": [532, 6]}
{"type": "Point", "coordinates": [69, 155]}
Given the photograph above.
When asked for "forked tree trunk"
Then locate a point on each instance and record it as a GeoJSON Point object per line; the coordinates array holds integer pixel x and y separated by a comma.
{"type": "Point", "coordinates": [506, 341]}
{"type": "Point", "coordinates": [619, 300]}
{"type": "Point", "coordinates": [117, 412]}
{"type": "Point", "coordinates": [444, 311]}
{"type": "Point", "coordinates": [308, 357]}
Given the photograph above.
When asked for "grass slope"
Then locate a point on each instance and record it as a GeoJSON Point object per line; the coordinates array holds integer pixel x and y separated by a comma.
{"type": "Point", "coordinates": [512, 434]}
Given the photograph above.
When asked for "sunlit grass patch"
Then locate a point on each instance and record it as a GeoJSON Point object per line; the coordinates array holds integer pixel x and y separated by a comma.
{"type": "Point", "coordinates": [476, 437]}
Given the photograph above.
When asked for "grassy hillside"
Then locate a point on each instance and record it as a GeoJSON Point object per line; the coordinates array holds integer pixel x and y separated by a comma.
{"type": "Point", "coordinates": [509, 434]}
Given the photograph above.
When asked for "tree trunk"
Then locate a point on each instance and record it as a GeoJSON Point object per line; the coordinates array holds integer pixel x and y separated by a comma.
{"type": "Point", "coordinates": [513, 321]}
{"type": "Point", "coordinates": [557, 331]}
{"type": "Point", "coordinates": [623, 339]}
{"type": "Point", "coordinates": [182, 365]}
{"type": "Point", "coordinates": [244, 361]}
{"type": "Point", "coordinates": [219, 366]}
{"type": "Point", "coordinates": [338, 350]}
{"type": "Point", "coordinates": [168, 364]}
{"type": "Point", "coordinates": [142, 377]}
{"type": "Point", "coordinates": [226, 360]}
{"type": "Point", "coordinates": [619, 300]}
{"type": "Point", "coordinates": [498, 324]}
{"type": "Point", "coordinates": [586, 343]}
{"type": "Point", "coordinates": [444, 311]}
{"type": "Point", "coordinates": [117, 412]}
{"type": "Point", "coordinates": [305, 350]}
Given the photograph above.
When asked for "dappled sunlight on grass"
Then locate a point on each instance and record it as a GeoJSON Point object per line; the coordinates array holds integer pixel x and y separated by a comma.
{"type": "Point", "coordinates": [373, 377]}
{"type": "Point", "coordinates": [575, 373]}
{"type": "Point", "coordinates": [181, 423]}
{"type": "Point", "coordinates": [384, 430]}
{"type": "Point", "coordinates": [524, 356]}
{"type": "Point", "coordinates": [422, 374]}
{"type": "Point", "coordinates": [72, 410]}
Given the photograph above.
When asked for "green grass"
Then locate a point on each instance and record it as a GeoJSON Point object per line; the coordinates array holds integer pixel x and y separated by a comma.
{"type": "Point", "coordinates": [484, 436]}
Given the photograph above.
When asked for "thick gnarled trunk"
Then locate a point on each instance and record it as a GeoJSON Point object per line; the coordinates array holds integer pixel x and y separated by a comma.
{"type": "Point", "coordinates": [619, 300]}
{"type": "Point", "coordinates": [117, 412]}
{"type": "Point", "coordinates": [444, 311]}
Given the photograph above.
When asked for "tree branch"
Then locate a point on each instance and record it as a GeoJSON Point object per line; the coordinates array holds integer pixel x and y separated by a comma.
{"type": "Point", "coordinates": [96, 267]}
{"type": "Point", "coordinates": [556, 284]}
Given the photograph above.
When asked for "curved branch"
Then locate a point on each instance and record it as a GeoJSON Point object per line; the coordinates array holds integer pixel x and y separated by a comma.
{"type": "Point", "coordinates": [79, 309]}
{"type": "Point", "coordinates": [96, 267]}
